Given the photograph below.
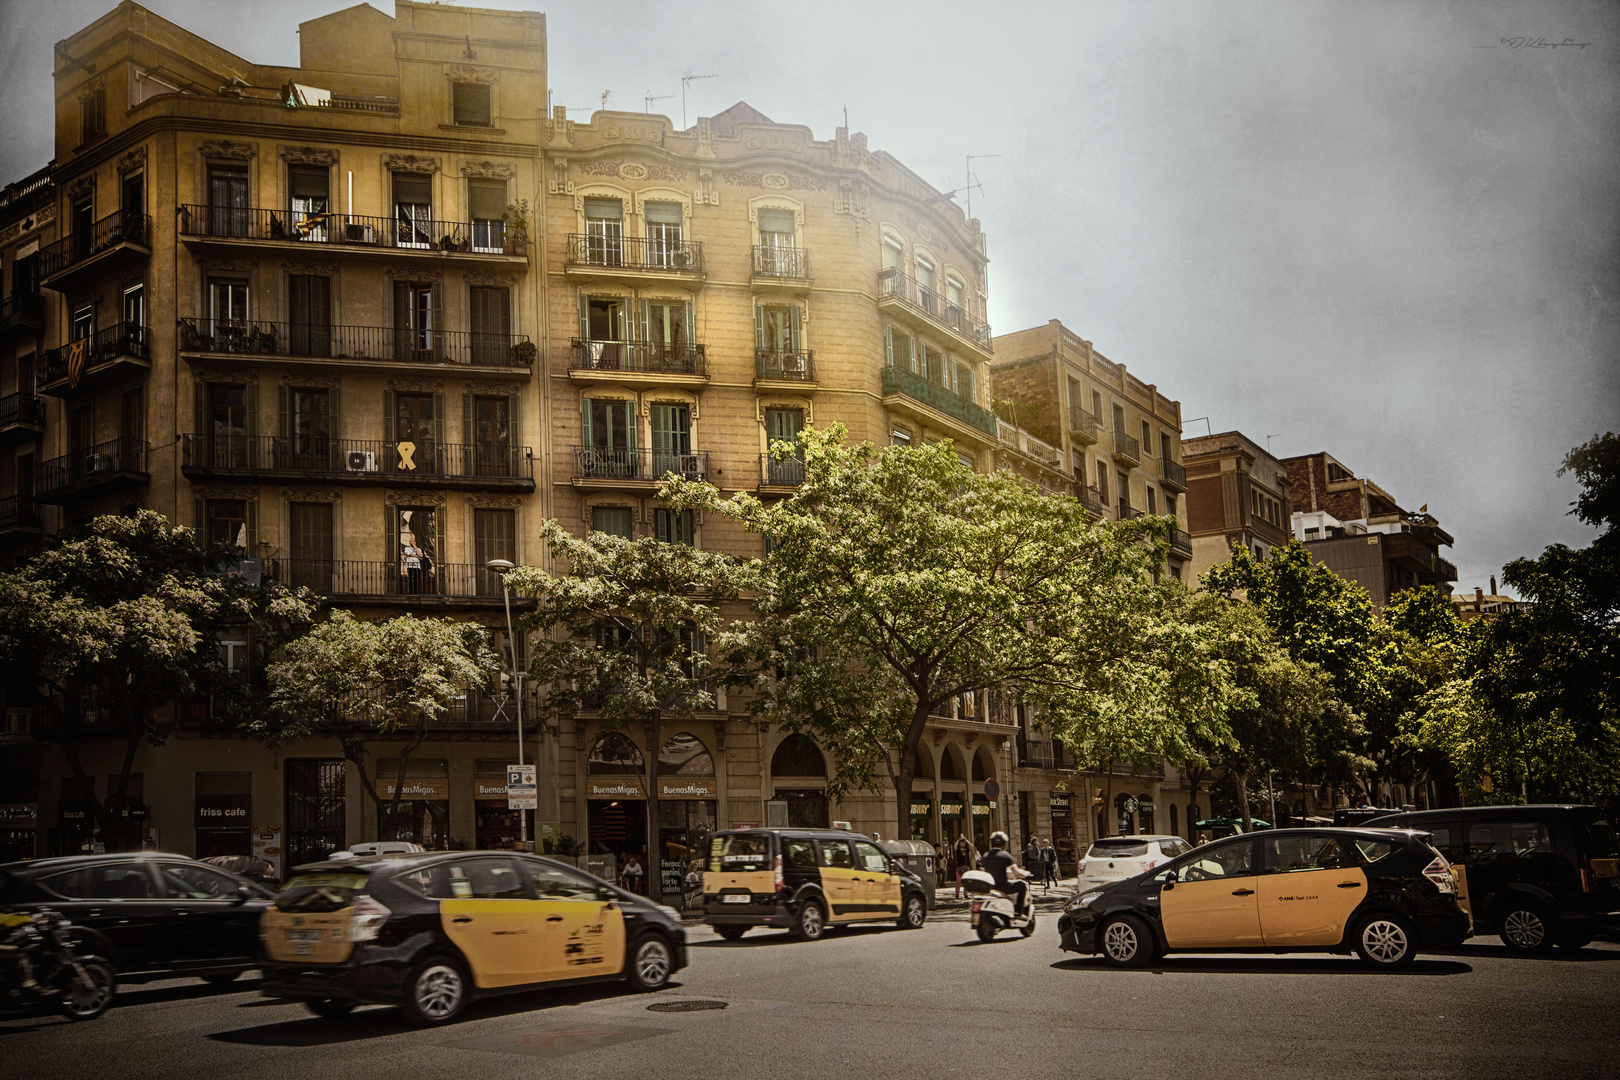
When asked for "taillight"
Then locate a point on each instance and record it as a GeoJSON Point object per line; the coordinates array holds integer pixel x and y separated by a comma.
{"type": "Point", "coordinates": [1439, 872]}
{"type": "Point", "coordinates": [778, 869]}
{"type": "Point", "coordinates": [367, 920]}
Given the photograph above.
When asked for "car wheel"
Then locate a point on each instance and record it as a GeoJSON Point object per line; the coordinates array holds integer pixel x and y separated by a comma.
{"type": "Point", "coordinates": [1525, 929]}
{"type": "Point", "coordinates": [329, 1006]}
{"type": "Point", "coordinates": [436, 992]}
{"type": "Point", "coordinates": [914, 914]}
{"type": "Point", "coordinates": [86, 1002]}
{"type": "Point", "coordinates": [731, 933]}
{"type": "Point", "coordinates": [1029, 927]}
{"type": "Point", "coordinates": [811, 922]}
{"type": "Point", "coordinates": [1385, 941]}
{"type": "Point", "coordinates": [224, 978]}
{"type": "Point", "coordinates": [1126, 942]}
{"type": "Point", "coordinates": [651, 963]}
{"type": "Point", "coordinates": [987, 929]}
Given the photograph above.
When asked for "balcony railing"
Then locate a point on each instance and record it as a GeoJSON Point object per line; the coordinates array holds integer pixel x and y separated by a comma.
{"type": "Point", "coordinates": [788, 472]}
{"type": "Point", "coordinates": [1181, 542]}
{"type": "Point", "coordinates": [651, 357]}
{"type": "Point", "coordinates": [900, 381]}
{"type": "Point", "coordinates": [634, 253]}
{"type": "Point", "coordinates": [1086, 428]}
{"type": "Point", "coordinates": [1174, 473]}
{"type": "Point", "coordinates": [892, 283]}
{"type": "Point", "coordinates": [77, 359]}
{"type": "Point", "coordinates": [355, 459]}
{"type": "Point", "coordinates": [21, 409]}
{"type": "Point", "coordinates": [21, 313]}
{"type": "Point", "coordinates": [106, 461]}
{"type": "Point", "coordinates": [799, 366]}
{"type": "Point", "coordinates": [781, 262]}
{"type": "Point", "coordinates": [1127, 448]}
{"type": "Point", "coordinates": [402, 232]}
{"type": "Point", "coordinates": [633, 463]}
{"type": "Point", "coordinates": [108, 233]}
{"type": "Point", "coordinates": [352, 578]}
{"type": "Point", "coordinates": [17, 512]}
{"type": "Point", "coordinates": [393, 344]}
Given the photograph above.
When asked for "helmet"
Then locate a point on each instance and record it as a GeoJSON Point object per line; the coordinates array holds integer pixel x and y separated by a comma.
{"type": "Point", "coordinates": [998, 840]}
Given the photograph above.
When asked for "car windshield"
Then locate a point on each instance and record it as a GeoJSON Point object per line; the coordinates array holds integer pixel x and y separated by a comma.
{"type": "Point", "coordinates": [740, 852]}
{"type": "Point", "coordinates": [325, 891]}
{"type": "Point", "coordinates": [1117, 849]}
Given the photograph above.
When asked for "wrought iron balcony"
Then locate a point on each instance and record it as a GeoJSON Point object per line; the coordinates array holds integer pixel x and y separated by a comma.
{"type": "Point", "coordinates": [1127, 449]}
{"type": "Point", "coordinates": [1174, 473]}
{"type": "Point", "coordinates": [892, 284]}
{"type": "Point", "coordinates": [115, 239]}
{"type": "Point", "coordinates": [18, 512]}
{"type": "Point", "coordinates": [1083, 426]}
{"type": "Point", "coordinates": [388, 581]}
{"type": "Point", "coordinates": [356, 461]}
{"type": "Point", "coordinates": [636, 253]}
{"type": "Point", "coordinates": [118, 350]}
{"type": "Point", "coordinates": [92, 471]}
{"type": "Point", "coordinates": [898, 380]}
{"type": "Point", "coordinates": [400, 233]}
{"type": "Point", "coordinates": [21, 416]}
{"type": "Point", "coordinates": [21, 315]}
{"type": "Point", "coordinates": [637, 465]}
{"type": "Point", "coordinates": [781, 262]}
{"type": "Point", "coordinates": [642, 357]}
{"type": "Point", "coordinates": [388, 344]}
{"type": "Point", "coordinates": [794, 366]}
{"type": "Point", "coordinates": [789, 472]}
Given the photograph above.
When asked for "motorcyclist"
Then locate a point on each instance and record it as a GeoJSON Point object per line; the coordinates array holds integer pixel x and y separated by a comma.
{"type": "Point", "coordinates": [1000, 864]}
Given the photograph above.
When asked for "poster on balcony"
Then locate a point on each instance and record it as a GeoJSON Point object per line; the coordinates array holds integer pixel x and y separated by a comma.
{"type": "Point", "coordinates": [418, 561]}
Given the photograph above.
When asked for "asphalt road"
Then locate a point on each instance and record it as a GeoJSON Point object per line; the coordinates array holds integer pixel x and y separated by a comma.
{"type": "Point", "coordinates": [882, 1002]}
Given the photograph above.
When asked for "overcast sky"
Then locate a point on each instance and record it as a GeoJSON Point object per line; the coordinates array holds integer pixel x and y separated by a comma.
{"type": "Point", "coordinates": [1375, 229]}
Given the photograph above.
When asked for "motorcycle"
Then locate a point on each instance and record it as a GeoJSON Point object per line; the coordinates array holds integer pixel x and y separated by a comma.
{"type": "Point", "coordinates": [39, 965]}
{"type": "Point", "coordinates": [993, 910]}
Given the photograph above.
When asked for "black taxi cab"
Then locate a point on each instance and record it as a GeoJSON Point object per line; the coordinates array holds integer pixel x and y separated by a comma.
{"type": "Point", "coordinates": [430, 932]}
{"type": "Point", "coordinates": [1381, 893]}
{"type": "Point", "coordinates": [804, 880]}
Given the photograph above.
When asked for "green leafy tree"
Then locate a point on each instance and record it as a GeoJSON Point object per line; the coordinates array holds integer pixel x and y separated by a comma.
{"type": "Point", "coordinates": [624, 626]}
{"type": "Point", "coordinates": [363, 681]}
{"type": "Point", "coordinates": [111, 624]}
{"type": "Point", "coordinates": [901, 582]}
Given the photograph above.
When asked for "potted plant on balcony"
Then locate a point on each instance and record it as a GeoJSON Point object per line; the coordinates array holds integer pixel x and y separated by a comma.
{"type": "Point", "coordinates": [516, 220]}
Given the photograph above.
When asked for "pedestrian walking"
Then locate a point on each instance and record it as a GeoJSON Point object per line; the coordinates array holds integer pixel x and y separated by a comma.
{"type": "Point", "coordinates": [962, 861]}
{"type": "Point", "coordinates": [1049, 864]}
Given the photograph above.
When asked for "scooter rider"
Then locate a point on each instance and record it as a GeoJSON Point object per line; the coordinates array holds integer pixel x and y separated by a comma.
{"type": "Point", "coordinates": [1000, 864]}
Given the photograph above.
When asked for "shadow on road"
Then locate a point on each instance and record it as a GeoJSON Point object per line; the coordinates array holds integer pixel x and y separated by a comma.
{"type": "Point", "coordinates": [1265, 965]}
{"type": "Point", "coordinates": [374, 1023]}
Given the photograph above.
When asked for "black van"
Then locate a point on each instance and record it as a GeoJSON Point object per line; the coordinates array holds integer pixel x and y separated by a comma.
{"type": "Point", "coordinates": [1535, 875]}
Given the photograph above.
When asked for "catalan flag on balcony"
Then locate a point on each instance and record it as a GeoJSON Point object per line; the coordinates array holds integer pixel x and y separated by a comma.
{"type": "Point", "coordinates": [77, 351]}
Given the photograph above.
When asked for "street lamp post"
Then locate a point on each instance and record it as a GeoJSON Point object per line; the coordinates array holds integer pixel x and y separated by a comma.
{"type": "Point", "coordinates": [501, 566]}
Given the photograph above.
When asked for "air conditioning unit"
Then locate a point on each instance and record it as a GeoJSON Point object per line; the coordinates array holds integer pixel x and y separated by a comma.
{"type": "Point", "coordinates": [361, 461]}
{"type": "Point", "coordinates": [98, 463]}
{"type": "Point", "coordinates": [692, 466]}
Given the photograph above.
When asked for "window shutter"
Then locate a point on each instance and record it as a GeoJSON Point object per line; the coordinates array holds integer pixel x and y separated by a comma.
{"type": "Point", "coordinates": [689, 335]}
{"type": "Point", "coordinates": [467, 423]}
{"type": "Point", "coordinates": [793, 328]}
{"type": "Point", "coordinates": [388, 417]}
{"type": "Point", "coordinates": [584, 317]}
{"type": "Point", "coordinates": [759, 328]}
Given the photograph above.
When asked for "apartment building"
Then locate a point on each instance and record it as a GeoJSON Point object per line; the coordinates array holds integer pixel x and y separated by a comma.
{"type": "Point", "coordinates": [1358, 530]}
{"type": "Point", "coordinates": [1237, 496]}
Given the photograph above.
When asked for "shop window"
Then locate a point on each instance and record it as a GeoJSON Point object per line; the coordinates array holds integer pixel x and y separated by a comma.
{"type": "Point", "coordinates": [470, 104]}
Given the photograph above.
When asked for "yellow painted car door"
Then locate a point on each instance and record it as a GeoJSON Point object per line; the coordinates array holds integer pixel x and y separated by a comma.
{"type": "Point", "coordinates": [839, 881]}
{"type": "Point", "coordinates": [1310, 886]}
{"type": "Point", "coordinates": [584, 924]}
{"type": "Point", "coordinates": [487, 912]}
{"type": "Point", "coordinates": [1212, 901]}
{"type": "Point", "coordinates": [880, 889]}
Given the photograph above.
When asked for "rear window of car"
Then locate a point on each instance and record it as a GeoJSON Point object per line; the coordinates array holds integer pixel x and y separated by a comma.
{"type": "Point", "coordinates": [1117, 849]}
{"type": "Point", "coordinates": [320, 891]}
{"type": "Point", "coordinates": [740, 852]}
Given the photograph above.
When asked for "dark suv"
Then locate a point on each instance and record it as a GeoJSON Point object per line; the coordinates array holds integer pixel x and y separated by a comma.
{"type": "Point", "coordinates": [1535, 875]}
{"type": "Point", "coordinates": [153, 916]}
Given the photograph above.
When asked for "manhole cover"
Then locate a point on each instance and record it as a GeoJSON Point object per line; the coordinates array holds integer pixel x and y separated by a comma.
{"type": "Point", "coordinates": [685, 1006]}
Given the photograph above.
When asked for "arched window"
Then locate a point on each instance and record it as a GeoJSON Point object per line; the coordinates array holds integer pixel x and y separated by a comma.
{"type": "Point", "coordinates": [685, 755]}
{"type": "Point", "coordinates": [615, 755]}
{"type": "Point", "coordinates": [798, 755]}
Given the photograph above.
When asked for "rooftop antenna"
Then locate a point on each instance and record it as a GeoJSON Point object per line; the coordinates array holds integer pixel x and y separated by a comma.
{"type": "Point", "coordinates": [649, 97]}
{"type": "Point", "coordinates": [685, 80]}
{"type": "Point", "coordinates": [968, 169]}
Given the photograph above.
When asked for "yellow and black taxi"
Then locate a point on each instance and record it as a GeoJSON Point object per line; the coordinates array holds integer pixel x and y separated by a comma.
{"type": "Point", "coordinates": [1381, 893]}
{"type": "Point", "coordinates": [805, 880]}
{"type": "Point", "coordinates": [430, 932]}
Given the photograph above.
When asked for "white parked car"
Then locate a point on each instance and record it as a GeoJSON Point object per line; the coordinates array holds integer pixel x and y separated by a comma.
{"type": "Point", "coordinates": [1115, 858]}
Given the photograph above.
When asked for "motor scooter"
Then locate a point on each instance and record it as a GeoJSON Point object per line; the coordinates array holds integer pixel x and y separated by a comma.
{"type": "Point", "coordinates": [993, 910]}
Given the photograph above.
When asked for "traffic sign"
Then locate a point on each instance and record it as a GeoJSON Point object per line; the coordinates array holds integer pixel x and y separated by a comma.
{"type": "Point", "coordinates": [991, 788]}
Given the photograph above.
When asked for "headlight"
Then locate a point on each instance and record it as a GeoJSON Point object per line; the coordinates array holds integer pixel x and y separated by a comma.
{"type": "Point", "coordinates": [674, 916]}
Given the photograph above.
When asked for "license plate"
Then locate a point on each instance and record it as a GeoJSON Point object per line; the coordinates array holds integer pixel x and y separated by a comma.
{"type": "Point", "coordinates": [736, 898]}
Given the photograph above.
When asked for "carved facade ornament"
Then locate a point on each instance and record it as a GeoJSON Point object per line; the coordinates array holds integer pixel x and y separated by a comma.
{"type": "Point", "coordinates": [495, 502]}
{"type": "Point", "coordinates": [414, 384]}
{"type": "Point", "coordinates": [227, 150]}
{"type": "Point", "coordinates": [466, 73]}
{"type": "Point", "coordinates": [706, 195]}
{"type": "Point", "coordinates": [308, 155]}
{"type": "Point", "coordinates": [489, 277]}
{"type": "Point", "coordinates": [410, 163]}
{"type": "Point", "coordinates": [488, 170]}
{"type": "Point", "coordinates": [559, 183]}
{"type": "Point", "coordinates": [311, 495]}
{"type": "Point", "coordinates": [225, 262]}
{"type": "Point", "coordinates": [414, 498]}
{"type": "Point", "coordinates": [84, 185]}
{"type": "Point", "coordinates": [310, 266]}
{"type": "Point", "coordinates": [493, 387]}
{"type": "Point", "coordinates": [228, 373]}
{"type": "Point", "coordinates": [312, 382]}
{"type": "Point", "coordinates": [214, 491]}
{"type": "Point", "coordinates": [133, 160]}
{"type": "Point", "coordinates": [414, 272]}
{"type": "Point", "coordinates": [776, 181]}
